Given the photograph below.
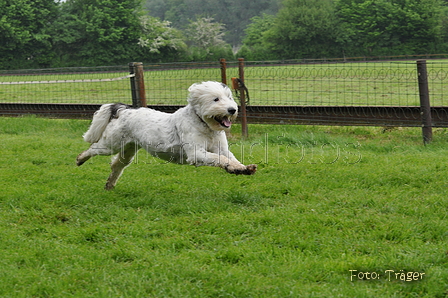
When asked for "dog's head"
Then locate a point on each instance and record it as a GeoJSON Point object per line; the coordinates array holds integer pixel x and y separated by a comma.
{"type": "Point", "coordinates": [214, 104]}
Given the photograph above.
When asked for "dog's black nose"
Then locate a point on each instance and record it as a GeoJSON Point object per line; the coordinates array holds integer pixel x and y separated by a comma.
{"type": "Point", "coordinates": [231, 111]}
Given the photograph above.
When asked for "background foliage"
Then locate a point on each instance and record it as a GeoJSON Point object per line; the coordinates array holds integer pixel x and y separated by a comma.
{"type": "Point", "coordinates": [24, 31]}
{"type": "Point", "coordinates": [52, 33]}
{"type": "Point", "coordinates": [235, 14]}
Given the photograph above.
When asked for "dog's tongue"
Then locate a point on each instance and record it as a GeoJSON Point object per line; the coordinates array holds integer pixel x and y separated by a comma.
{"type": "Point", "coordinates": [226, 122]}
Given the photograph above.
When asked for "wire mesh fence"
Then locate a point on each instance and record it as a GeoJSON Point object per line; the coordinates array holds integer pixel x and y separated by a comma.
{"type": "Point", "coordinates": [276, 83]}
{"type": "Point", "coordinates": [168, 83]}
{"type": "Point", "coordinates": [342, 84]}
{"type": "Point", "coordinates": [303, 84]}
{"type": "Point", "coordinates": [65, 85]}
{"type": "Point", "coordinates": [338, 84]}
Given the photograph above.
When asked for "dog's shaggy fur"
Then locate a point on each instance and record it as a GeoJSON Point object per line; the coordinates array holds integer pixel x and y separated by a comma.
{"type": "Point", "coordinates": [194, 134]}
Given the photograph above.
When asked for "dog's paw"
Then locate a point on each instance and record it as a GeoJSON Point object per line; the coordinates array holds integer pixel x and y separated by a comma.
{"type": "Point", "coordinates": [81, 159]}
{"type": "Point", "coordinates": [79, 162]}
{"type": "Point", "coordinates": [244, 170]}
{"type": "Point", "coordinates": [109, 186]}
{"type": "Point", "coordinates": [251, 169]}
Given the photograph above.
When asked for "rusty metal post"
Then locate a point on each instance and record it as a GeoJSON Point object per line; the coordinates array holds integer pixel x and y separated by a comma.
{"type": "Point", "coordinates": [425, 106]}
{"type": "Point", "coordinates": [132, 81]}
{"type": "Point", "coordinates": [244, 130]}
{"type": "Point", "coordinates": [223, 63]}
{"type": "Point", "coordinates": [137, 85]}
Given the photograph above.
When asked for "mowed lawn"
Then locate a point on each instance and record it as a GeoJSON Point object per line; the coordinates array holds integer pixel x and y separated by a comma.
{"type": "Point", "coordinates": [331, 212]}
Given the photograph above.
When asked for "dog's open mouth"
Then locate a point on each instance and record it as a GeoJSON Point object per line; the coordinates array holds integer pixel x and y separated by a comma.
{"type": "Point", "coordinates": [224, 121]}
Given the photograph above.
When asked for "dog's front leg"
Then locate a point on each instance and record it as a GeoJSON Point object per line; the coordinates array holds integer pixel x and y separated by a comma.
{"type": "Point", "coordinates": [235, 167]}
{"type": "Point", "coordinates": [199, 156]}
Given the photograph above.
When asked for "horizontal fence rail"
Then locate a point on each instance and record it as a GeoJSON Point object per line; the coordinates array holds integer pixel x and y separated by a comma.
{"type": "Point", "coordinates": [317, 115]}
{"type": "Point", "coordinates": [68, 81]}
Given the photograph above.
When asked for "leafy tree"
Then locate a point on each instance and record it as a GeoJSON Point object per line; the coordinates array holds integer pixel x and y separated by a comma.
{"type": "Point", "coordinates": [255, 43]}
{"type": "Point", "coordinates": [158, 36]}
{"type": "Point", "coordinates": [305, 28]}
{"type": "Point", "coordinates": [384, 27]}
{"type": "Point", "coordinates": [97, 32]}
{"type": "Point", "coordinates": [205, 38]}
{"type": "Point", "coordinates": [25, 41]}
{"type": "Point", "coordinates": [333, 28]}
{"type": "Point", "coordinates": [235, 14]}
{"type": "Point", "coordinates": [204, 33]}
{"type": "Point", "coordinates": [107, 32]}
{"type": "Point", "coordinates": [442, 47]}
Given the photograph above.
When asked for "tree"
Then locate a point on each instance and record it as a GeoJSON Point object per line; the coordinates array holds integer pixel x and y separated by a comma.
{"type": "Point", "coordinates": [204, 33]}
{"type": "Point", "coordinates": [305, 29]}
{"type": "Point", "coordinates": [25, 41]}
{"type": "Point", "coordinates": [336, 28]}
{"type": "Point", "coordinates": [97, 32]}
{"type": "Point", "coordinates": [255, 43]}
{"type": "Point", "coordinates": [442, 47]}
{"type": "Point", "coordinates": [383, 27]}
{"type": "Point", "coordinates": [235, 14]}
{"type": "Point", "coordinates": [158, 36]}
{"type": "Point", "coordinates": [205, 38]}
{"type": "Point", "coordinates": [108, 32]}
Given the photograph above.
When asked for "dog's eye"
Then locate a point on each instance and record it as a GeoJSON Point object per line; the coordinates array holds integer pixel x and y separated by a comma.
{"type": "Point", "coordinates": [216, 99]}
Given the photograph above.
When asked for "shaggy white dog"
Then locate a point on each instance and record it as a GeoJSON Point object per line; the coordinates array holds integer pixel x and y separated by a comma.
{"type": "Point", "coordinates": [194, 134]}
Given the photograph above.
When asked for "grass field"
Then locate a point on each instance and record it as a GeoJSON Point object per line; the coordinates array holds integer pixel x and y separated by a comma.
{"type": "Point", "coordinates": [368, 84]}
{"type": "Point", "coordinates": [326, 201]}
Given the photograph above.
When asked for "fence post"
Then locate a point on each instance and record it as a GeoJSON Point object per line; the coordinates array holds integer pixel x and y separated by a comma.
{"type": "Point", "coordinates": [223, 63]}
{"type": "Point", "coordinates": [137, 85]}
{"type": "Point", "coordinates": [244, 130]}
{"type": "Point", "coordinates": [425, 106]}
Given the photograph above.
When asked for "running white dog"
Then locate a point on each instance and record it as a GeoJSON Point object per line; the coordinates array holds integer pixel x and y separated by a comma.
{"type": "Point", "coordinates": [194, 134]}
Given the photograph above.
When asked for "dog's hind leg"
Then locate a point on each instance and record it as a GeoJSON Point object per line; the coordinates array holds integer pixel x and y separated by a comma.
{"type": "Point", "coordinates": [119, 163]}
{"type": "Point", "coordinates": [95, 149]}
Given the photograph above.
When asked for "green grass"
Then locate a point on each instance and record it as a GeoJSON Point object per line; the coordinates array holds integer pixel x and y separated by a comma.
{"type": "Point", "coordinates": [360, 83]}
{"type": "Point", "coordinates": [324, 201]}
{"type": "Point", "coordinates": [84, 92]}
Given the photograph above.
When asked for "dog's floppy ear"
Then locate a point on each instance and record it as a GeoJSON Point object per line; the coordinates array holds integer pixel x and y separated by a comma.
{"type": "Point", "coordinates": [193, 87]}
{"type": "Point", "coordinates": [193, 90]}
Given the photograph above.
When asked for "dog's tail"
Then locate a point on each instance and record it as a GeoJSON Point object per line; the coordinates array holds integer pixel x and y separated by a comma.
{"type": "Point", "coordinates": [101, 119]}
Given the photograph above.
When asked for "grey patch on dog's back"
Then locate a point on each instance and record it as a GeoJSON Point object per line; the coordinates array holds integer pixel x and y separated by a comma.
{"type": "Point", "coordinates": [115, 108]}
{"type": "Point", "coordinates": [224, 86]}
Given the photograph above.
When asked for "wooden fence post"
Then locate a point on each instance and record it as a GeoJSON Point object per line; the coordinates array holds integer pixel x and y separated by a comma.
{"type": "Point", "coordinates": [137, 85]}
{"type": "Point", "coordinates": [223, 63]}
{"type": "Point", "coordinates": [425, 106]}
{"type": "Point", "coordinates": [244, 130]}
